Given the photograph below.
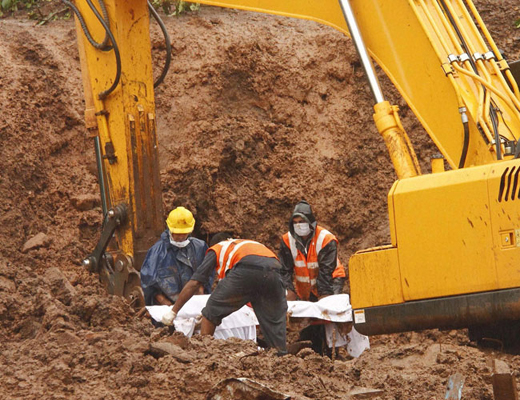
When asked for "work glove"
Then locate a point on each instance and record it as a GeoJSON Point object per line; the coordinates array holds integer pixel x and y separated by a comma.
{"type": "Point", "coordinates": [168, 318]}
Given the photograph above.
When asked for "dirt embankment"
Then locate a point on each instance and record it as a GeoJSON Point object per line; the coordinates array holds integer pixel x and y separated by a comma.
{"type": "Point", "coordinates": [256, 113]}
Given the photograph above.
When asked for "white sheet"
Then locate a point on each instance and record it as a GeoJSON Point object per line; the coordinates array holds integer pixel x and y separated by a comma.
{"type": "Point", "coordinates": [334, 308]}
{"type": "Point", "coordinates": [242, 323]}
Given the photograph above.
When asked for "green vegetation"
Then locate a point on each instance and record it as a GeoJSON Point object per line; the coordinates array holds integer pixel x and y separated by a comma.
{"type": "Point", "coordinates": [41, 11]}
{"type": "Point", "coordinates": [44, 11]}
{"type": "Point", "coordinates": [175, 7]}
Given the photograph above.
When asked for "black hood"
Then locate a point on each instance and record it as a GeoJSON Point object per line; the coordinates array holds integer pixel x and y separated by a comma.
{"type": "Point", "coordinates": [304, 210]}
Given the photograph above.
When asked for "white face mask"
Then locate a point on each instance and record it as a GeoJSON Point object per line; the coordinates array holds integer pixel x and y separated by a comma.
{"type": "Point", "coordinates": [302, 229]}
{"type": "Point", "coordinates": [184, 243]}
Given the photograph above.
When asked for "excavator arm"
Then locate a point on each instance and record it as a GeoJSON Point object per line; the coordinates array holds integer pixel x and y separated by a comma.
{"type": "Point", "coordinates": [116, 61]}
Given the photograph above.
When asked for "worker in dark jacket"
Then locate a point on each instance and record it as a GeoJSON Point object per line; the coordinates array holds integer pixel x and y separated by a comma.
{"type": "Point", "coordinates": [309, 255]}
{"type": "Point", "coordinates": [247, 272]}
{"type": "Point", "coordinates": [310, 267]}
{"type": "Point", "coordinates": [172, 260]}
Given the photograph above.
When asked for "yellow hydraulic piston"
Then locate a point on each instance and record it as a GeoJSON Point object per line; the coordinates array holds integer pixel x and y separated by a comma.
{"type": "Point", "coordinates": [397, 142]}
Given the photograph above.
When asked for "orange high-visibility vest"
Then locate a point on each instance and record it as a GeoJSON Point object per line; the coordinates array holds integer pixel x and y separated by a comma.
{"type": "Point", "coordinates": [306, 269]}
{"type": "Point", "coordinates": [232, 251]}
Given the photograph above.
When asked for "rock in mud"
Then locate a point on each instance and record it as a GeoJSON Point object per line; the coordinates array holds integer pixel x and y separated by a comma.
{"type": "Point", "coordinates": [40, 240]}
{"type": "Point", "coordinates": [85, 202]}
{"type": "Point", "coordinates": [60, 285]}
{"type": "Point", "coordinates": [161, 349]}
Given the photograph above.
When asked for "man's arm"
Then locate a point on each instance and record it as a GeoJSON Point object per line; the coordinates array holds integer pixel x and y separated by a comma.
{"type": "Point", "coordinates": [327, 261]}
{"type": "Point", "coordinates": [286, 259]}
{"type": "Point", "coordinates": [187, 293]}
{"type": "Point", "coordinates": [199, 278]}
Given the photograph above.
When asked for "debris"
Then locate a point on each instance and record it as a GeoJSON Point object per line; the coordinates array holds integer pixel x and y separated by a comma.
{"type": "Point", "coordinates": [28, 329]}
{"type": "Point", "coordinates": [179, 339]}
{"type": "Point", "coordinates": [85, 202]}
{"type": "Point", "coordinates": [305, 352]}
{"type": "Point", "coordinates": [7, 285]}
{"type": "Point", "coordinates": [60, 285]}
{"type": "Point", "coordinates": [243, 389]}
{"type": "Point", "coordinates": [365, 393]}
{"type": "Point", "coordinates": [333, 343]}
{"type": "Point", "coordinates": [294, 348]}
{"type": "Point", "coordinates": [455, 384]}
{"type": "Point", "coordinates": [65, 337]}
{"type": "Point", "coordinates": [504, 385]}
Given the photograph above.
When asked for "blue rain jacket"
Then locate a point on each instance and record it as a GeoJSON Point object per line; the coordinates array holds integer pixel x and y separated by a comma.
{"type": "Point", "coordinates": [167, 268]}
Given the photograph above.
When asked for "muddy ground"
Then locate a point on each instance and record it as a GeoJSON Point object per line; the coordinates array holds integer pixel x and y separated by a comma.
{"type": "Point", "coordinates": [256, 113]}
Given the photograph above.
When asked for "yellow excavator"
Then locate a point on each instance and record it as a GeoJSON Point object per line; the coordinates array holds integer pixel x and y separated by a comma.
{"type": "Point", "coordinates": [454, 257]}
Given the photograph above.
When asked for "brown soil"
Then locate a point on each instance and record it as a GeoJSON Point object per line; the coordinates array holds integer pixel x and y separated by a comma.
{"type": "Point", "coordinates": [256, 113]}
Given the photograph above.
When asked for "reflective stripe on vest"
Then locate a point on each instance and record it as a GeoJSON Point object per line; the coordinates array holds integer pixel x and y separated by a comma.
{"type": "Point", "coordinates": [306, 268]}
{"type": "Point", "coordinates": [232, 251]}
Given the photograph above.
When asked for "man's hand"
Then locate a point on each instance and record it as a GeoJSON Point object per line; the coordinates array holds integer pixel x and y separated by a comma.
{"type": "Point", "coordinates": [168, 318]}
{"type": "Point", "coordinates": [291, 296]}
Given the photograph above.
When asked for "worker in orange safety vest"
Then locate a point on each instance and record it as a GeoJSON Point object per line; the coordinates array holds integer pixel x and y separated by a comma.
{"type": "Point", "coordinates": [248, 272]}
{"type": "Point", "coordinates": [310, 267]}
{"type": "Point", "coordinates": [309, 255]}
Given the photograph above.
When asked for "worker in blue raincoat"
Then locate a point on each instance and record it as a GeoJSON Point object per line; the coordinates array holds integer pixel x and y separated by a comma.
{"type": "Point", "coordinates": [172, 260]}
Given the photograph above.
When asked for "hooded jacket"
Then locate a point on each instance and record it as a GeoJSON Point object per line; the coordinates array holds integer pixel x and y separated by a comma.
{"type": "Point", "coordinates": [327, 257]}
{"type": "Point", "coordinates": [167, 268]}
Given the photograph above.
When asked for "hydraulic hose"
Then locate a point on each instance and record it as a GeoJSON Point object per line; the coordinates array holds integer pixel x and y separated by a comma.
{"type": "Point", "coordinates": [491, 42]}
{"type": "Point", "coordinates": [462, 108]}
{"type": "Point", "coordinates": [494, 121]}
{"type": "Point", "coordinates": [465, 146]}
{"type": "Point", "coordinates": [103, 46]}
{"type": "Point", "coordinates": [492, 112]}
{"type": "Point", "coordinates": [167, 41]}
{"type": "Point", "coordinates": [103, 95]}
{"type": "Point", "coordinates": [101, 175]}
{"type": "Point", "coordinates": [459, 34]}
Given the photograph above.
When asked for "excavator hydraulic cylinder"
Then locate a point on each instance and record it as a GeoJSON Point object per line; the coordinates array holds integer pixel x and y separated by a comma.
{"type": "Point", "coordinates": [397, 142]}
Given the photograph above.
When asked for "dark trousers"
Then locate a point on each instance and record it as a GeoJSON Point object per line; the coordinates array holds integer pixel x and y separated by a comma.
{"type": "Point", "coordinates": [260, 286]}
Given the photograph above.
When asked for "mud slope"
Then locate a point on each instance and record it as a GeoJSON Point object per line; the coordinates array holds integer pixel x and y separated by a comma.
{"type": "Point", "coordinates": [256, 113]}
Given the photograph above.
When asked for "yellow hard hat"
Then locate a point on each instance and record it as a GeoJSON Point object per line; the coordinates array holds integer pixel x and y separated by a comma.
{"type": "Point", "coordinates": [180, 220]}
